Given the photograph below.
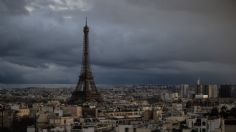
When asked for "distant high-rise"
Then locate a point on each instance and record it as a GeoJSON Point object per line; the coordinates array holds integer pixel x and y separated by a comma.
{"type": "Point", "coordinates": [184, 90]}
{"type": "Point", "coordinates": [227, 91]}
{"type": "Point", "coordinates": [199, 89]}
{"type": "Point", "coordinates": [213, 91]}
{"type": "Point", "coordinates": [86, 89]}
{"type": "Point", "coordinates": [198, 81]}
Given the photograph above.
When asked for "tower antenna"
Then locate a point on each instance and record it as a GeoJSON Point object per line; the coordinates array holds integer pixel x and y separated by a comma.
{"type": "Point", "coordinates": [86, 21]}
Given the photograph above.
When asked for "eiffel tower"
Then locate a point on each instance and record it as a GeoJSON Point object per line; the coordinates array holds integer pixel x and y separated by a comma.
{"type": "Point", "coordinates": [85, 90]}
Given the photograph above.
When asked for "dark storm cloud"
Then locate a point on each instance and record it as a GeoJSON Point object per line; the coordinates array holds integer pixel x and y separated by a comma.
{"type": "Point", "coordinates": [13, 7]}
{"type": "Point", "coordinates": [162, 41]}
{"type": "Point", "coordinates": [38, 40]}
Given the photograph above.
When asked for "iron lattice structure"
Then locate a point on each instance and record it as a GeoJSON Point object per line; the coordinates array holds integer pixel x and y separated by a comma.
{"type": "Point", "coordinates": [85, 89]}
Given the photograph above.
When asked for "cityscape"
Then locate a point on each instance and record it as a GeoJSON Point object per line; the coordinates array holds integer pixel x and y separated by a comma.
{"type": "Point", "coordinates": [51, 80]}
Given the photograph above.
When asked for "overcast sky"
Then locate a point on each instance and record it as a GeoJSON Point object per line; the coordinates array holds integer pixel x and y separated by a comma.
{"type": "Point", "coordinates": [131, 41]}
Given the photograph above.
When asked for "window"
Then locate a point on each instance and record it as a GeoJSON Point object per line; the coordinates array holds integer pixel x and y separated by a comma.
{"type": "Point", "coordinates": [204, 123]}
{"type": "Point", "coordinates": [126, 129]}
{"type": "Point", "coordinates": [203, 130]}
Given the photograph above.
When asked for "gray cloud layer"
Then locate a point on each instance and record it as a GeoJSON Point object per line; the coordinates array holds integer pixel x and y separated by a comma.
{"type": "Point", "coordinates": [132, 41]}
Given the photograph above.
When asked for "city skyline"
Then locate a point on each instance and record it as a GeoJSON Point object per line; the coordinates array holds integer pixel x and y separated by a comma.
{"type": "Point", "coordinates": [131, 41]}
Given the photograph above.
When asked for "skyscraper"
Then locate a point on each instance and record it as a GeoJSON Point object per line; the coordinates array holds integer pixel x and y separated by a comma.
{"type": "Point", "coordinates": [199, 89]}
{"type": "Point", "coordinates": [184, 90]}
{"type": "Point", "coordinates": [227, 91]}
{"type": "Point", "coordinates": [213, 91]}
